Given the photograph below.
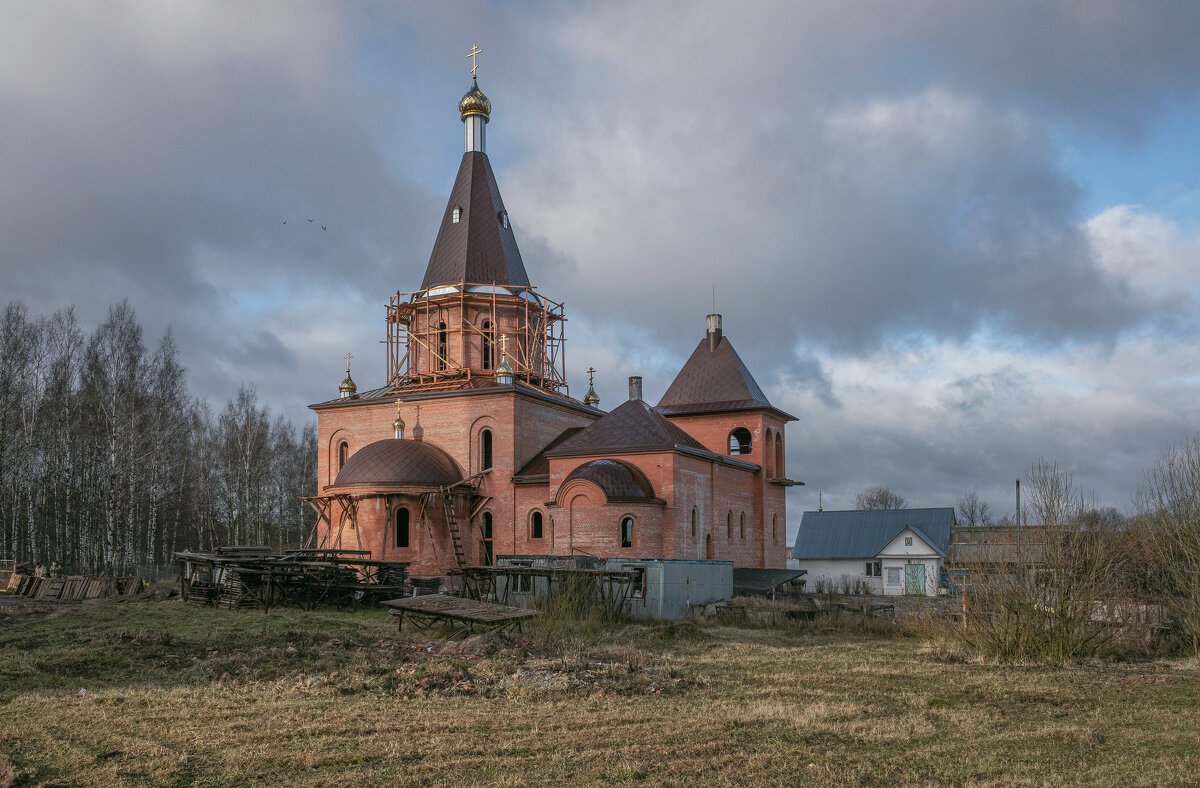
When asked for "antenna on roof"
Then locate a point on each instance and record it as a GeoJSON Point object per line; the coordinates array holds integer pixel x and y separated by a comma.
{"type": "Point", "coordinates": [714, 299]}
{"type": "Point", "coordinates": [820, 508]}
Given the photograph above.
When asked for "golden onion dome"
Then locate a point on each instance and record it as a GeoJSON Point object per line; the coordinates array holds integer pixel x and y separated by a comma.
{"type": "Point", "coordinates": [348, 384]}
{"type": "Point", "coordinates": [398, 424]}
{"type": "Point", "coordinates": [475, 103]}
{"type": "Point", "coordinates": [591, 398]}
{"type": "Point", "coordinates": [503, 369]}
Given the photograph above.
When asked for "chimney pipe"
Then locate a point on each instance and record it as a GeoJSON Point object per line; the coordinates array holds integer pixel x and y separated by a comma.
{"type": "Point", "coordinates": [714, 332]}
{"type": "Point", "coordinates": [635, 388]}
{"type": "Point", "coordinates": [1018, 512]}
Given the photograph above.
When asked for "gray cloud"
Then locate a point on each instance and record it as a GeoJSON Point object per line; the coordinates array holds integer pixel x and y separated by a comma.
{"type": "Point", "coordinates": [874, 191]}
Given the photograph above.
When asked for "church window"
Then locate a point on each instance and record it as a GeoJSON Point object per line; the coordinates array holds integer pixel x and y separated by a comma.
{"type": "Point", "coordinates": [488, 340]}
{"type": "Point", "coordinates": [485, 544]}
{"type": "Point", "coordinates": [769, 455]}
{"type": "Point", "coordinates": [739, 441]}
{"type": "Point", "coordinates": [774, 528]}
{"type": "Point", "coordinates": [454, 217]}
{"type": "Point", "coordinates": [742, 526]}
{"type": "Point", "coordinates": [441, 346]}
{"type": "Point", "coordinates": [535, 526]}
{"type": "Point", "coordinates": [729, 525]}
{"type": "Point", "coordinates": [485, 450]}
{"type": "Point", "coordinates": [343, 450]}
{"type": "Point", "coordinates": [695, 517]}
{"type": "Point", "coordinates": [402, 527]}
{"type": "Point", "coordinates": [626, 532]}
{"type": "Point", "coordinates": [778, 455]}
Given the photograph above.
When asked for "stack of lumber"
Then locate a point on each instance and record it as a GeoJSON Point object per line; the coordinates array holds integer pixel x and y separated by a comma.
{"type": "Point", "coordinates": [75, 587]}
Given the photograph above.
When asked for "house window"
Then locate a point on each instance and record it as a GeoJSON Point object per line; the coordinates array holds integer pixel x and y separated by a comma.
{"type": "Point", "coordinates": [485, 450]}
{"type": "Point", "coordinates": [695, 517]}
{"type": "Point", "coordinates": [504, 219]}
{"type": "Point", "coordinates": [908, 541]}
{"type": "Point", "coordinates": [739, 441]}
{"type": "Point", "coordinates": [402, 527]}
{"type": "Point", "coordinates": [524, 584]}
{"type": "Point", "coordinates": [535, 526]}
{"type": "Point", "coordinates": [454, 217]}
{"type": "Point", "coordinates": [743, 526]}
{"type": "Point", "coordinates": [873, 568]}
{"type": "Point", "coordinates": [626, 532]}
{"type": "Point", "coordinates": [487, 345]}
{"type": "Point", "coordinates": [729, 525]}
{"type": "Point", "coordinates": [893, 575]}
{"type": "Point", "coordinates": [343, 450]}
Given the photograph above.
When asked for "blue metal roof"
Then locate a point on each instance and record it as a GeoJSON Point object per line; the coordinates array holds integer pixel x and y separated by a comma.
{"type": "Point", "coordinates": [863, 533]}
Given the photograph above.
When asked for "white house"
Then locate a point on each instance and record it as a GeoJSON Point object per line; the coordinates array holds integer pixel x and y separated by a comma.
{"type": "Point", "coordinates": [891, 551]}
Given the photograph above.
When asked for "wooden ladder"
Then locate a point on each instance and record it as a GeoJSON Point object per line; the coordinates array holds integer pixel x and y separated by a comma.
{"type": "Point", "coordinates": [460, 558]}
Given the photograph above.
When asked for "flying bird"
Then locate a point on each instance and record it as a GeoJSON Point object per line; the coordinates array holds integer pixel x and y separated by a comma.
{"type": "Point", "coordinates": [322, 227]}
{"type": "Point", "coordinates": [310, 220]}
{"type": "Point", "coordinates": [285, 221]}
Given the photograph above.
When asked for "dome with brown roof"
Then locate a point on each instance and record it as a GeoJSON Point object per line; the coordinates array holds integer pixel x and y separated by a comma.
{"type": "Point", "coordinates": [619, 480]}
{"type": "Point", "coordinates": [393, 463]}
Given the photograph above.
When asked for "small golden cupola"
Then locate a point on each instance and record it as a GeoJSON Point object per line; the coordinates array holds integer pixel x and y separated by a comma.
{"type": "Point", "coordinates": [474, 109]}
{"type": "Point", "coordinates": [591, 399]}
{"type": "Point", "coordinates": [398, 424]}
{"type": "Point", "coordinates": [504, 373]}
{"type": "Point", "coordinates": [348, 387]}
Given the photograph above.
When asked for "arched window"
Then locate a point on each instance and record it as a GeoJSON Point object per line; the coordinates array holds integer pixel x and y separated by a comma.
{"type": "Point", "coordinates": [729, 525]}
{"type": "Point", "coordinates": [441, 346]}
{"type": "Point", "coordinates": [739, 441]}
{"type": "Point", "coordinates": [485, 450]}
{"type": "Point", "coordinates": [695, 518]}
{"type": "Point", "coordinates": [779, 455]}
{"type": "Point", "coordinates": [774, 528]}
{"type": "Point", "coordinates": [343, 450]}
{"type": "Point", "coordinates": [535, 526]}
{"type": "Point", "coordinates": [487, 344]}
{"type": "Point", "coordinates": [708, 547]}
{"type": "Point", "coordinates": [485, 543]}
{"type": "Point", "coordinates": [743, 526]}
{"type": "Point", "coordinates": [456, 215]}
{"type": "Point", "coordinates": [402, 527]}
{"type": "Point", "coordinates": [769, 456]}
{"type": "Point", "coordinates": [626, 532]}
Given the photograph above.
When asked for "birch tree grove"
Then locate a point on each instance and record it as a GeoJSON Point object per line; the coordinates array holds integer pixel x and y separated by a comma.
{"type": "Point", "coordinates": [107, 463]}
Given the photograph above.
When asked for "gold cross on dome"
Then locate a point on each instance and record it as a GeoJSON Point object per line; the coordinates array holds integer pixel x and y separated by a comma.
{"type": "Point", "coordinates": [475, 50]}
{"type": "Point", "coordinates": [348, 357]}
{"type": "Point", "coordinates": [591, 372]}
{"type": "Point", "coordinates": [504, 346]}
{"type": "Point", "coordinates": [398, 402]}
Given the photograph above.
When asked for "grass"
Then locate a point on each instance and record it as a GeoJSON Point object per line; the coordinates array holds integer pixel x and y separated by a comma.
{"type": "Point", "coordinates": [177, 695]}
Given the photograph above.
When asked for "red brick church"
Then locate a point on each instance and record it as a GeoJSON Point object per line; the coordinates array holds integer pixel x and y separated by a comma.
{"type": "Point", "coordinates": [474, 448]}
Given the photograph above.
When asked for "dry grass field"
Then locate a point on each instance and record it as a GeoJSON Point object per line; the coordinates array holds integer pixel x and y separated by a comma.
{"type": "Point", "coordinates": [161, 693]}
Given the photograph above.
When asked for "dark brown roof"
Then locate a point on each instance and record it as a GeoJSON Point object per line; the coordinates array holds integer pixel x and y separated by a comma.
{"type": "Point", "coordinates": [713, 378]}
{"type": "Point", "coordinates": [399, 463]}
{"type": "Point", "coordinates": [540, 464]}
{"type": "Point", "coordinates": [478, 249]}
{"type": "Point", "coordinates": [633, 426]}
{"type": "Point", "coordinates": [619, 480]}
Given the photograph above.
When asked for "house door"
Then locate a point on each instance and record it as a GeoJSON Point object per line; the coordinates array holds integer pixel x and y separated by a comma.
{"type": "Point", "coordinates": [914, 578]}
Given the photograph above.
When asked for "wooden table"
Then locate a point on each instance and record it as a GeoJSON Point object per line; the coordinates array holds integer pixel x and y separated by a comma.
{"type": "Point", "coordinates": [424, 611]}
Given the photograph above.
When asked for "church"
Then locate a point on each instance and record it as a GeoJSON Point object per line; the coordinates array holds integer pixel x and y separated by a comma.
{"type": "Point", "coordinates": [474, 448]}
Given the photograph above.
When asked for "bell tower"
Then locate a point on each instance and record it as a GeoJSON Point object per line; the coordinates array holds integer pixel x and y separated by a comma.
{"type": "Point", "coordinates": [447, 334]}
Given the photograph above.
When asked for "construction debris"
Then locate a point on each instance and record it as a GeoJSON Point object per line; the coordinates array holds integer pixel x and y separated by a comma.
{"type": "Point", "coordinates": [233, 577]}
{"type": "Point", "coordinates": [74, 587]}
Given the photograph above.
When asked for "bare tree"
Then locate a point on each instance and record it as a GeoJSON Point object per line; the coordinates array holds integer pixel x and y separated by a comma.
{"type": "Point", "coordinates": [1167, 534]}
{"type": "Point", "coordinates": [879, 497]}
{"type": "Point", "coordinates": [973, 510]}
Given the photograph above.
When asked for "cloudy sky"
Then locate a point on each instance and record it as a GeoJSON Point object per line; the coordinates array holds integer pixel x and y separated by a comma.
{"type": "Point", "coordinates": [950, 237]}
